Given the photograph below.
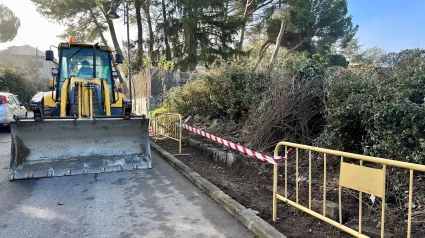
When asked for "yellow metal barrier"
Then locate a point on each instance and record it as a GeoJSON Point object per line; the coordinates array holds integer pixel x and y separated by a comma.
{"type": "Point", "coordinates": [168, 125]}
{"type": "Point", "coordinates": [357, 177]}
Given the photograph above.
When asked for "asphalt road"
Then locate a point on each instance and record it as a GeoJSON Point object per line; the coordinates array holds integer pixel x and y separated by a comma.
{"type": "Point", "coordinates": [158, 202]}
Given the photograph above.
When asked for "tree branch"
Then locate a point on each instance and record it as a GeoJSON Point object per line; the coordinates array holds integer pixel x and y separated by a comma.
{"type": "Point", "coordinates": [278, 42]}
{"type": "Point", "coordinates": [261, 52]}
{"type": "Point", "coordinates": [294, 48]}
{"type": "Point", "coordinates": [261, 6]}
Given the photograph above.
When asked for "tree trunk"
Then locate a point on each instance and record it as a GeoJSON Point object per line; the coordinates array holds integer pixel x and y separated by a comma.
{"type": "Point", "coordinates": [146, 8]}
{"type": "Point", "coordinates": [245, 19]}
{"type": "Point", "coordinates": [277, 47]}
{"type": "Point", "coordinates": [291, 50]}
{"type": "Point", "coordinates": [138, 6]}
{"type": "Point", "coordinates": [96, 22]}
{"type": "Point", "coordinates": [110, 26]}
{"type": "Point", "coordinates": [223, 36]}
{"type": "Point", "coordinates": [261, 52]}
{"type": "Point", "coordinates": [192, 41]}
{"type": "Point", "coordinates": [114, 36]}
{"type": "Point", "coordinates": [114, 41]}
{"type": "Point", "coordinates": [166, 26]}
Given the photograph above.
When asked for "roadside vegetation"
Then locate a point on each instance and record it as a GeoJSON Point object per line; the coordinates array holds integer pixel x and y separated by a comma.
{"type": "Point", "coordinates": [20, 82]}
{"type": "Point", "coordinates": [268, 71]}
{"type": "Point", "coordinates": [373, 109]}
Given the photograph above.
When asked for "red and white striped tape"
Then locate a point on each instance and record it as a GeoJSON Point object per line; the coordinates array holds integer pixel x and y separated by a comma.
{"type": "Point", "coordinates": [242, 149]}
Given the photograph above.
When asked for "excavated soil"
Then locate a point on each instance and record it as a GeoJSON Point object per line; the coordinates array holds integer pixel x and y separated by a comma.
{"type": "Point", "coordinates": [250, 181]}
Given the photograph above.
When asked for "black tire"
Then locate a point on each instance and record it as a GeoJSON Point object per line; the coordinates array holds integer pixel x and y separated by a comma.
{"type": "Point", "coordinates": [47, 112]}
{"type": "Point", "coordinates": [12, 154]}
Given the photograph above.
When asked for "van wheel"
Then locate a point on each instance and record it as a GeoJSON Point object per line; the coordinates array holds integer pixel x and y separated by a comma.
{"type": "Point", "coordinates": [8, 129]}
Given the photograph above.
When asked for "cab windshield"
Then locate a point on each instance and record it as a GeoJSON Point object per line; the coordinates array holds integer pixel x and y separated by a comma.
{"type": "Point", "coordinates": [77, 61]}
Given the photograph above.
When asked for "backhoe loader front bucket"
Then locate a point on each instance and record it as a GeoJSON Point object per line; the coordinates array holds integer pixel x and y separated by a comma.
{"type": "Point", "coordinates": [60, 147]}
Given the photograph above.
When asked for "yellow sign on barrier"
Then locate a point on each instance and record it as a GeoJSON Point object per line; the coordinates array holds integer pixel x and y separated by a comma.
{"type": "Point", "coordinates": [362, 179]}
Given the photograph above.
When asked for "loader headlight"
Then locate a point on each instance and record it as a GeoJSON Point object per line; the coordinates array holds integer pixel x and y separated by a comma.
{"type": "Point", "coordinates": [64, 45]}
{"type": "Point", "coordinates": [114, 74]}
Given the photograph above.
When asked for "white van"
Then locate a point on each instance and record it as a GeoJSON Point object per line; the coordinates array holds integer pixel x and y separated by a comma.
{"type": "Point", "coordinates": [10, 106]}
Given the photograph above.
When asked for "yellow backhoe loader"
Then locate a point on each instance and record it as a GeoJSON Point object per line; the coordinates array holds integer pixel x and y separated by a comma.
{"type": "Point", "coordinates": [84, 124]}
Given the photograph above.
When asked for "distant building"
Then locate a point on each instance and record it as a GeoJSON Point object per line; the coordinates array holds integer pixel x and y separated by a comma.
{"type": "Point", "coordinates": [27, 57]}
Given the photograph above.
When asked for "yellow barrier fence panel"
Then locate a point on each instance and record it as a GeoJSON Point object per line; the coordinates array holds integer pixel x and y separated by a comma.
{"type": "Point", "coordinates": [356, 176]}
{"type": "Point", "coordinates": [168, 125]}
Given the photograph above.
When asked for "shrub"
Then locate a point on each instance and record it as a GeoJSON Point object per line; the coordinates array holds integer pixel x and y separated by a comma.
{"type": "Point", "coordinates": [234, 89]}
{"type": "Point", "coordinates": [378, 110]}
{"type": "Point", "coordinates": [291, 109]}
{"type": "Point", "coordinates": [15, 81]}
{"type": "Point", "coordinates": [189, 99]}
{"type": "Point", "coordinates": [227, 91]}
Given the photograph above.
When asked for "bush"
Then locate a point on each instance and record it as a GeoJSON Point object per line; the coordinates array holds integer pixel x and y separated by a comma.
{"type": "Point", "coordinates": [228, 91]}
{"type": "Point", "coordinates": [14, 81]}
{"type": "Point", "coordinates": [189, 99]}
{"type": "Point", "coordinates": [291, 109]}
{"type": "Point", "coordinates": [378, 110]}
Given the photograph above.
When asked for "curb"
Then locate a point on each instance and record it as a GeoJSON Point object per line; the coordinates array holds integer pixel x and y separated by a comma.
{"type": "Point", "coordinates": [253, 222]}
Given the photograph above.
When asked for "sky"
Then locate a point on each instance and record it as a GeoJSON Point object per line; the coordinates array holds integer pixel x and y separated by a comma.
{"type": "Point", "coordinates": [39, 32]}
{"type": "Point", "coordinates": [391, 25]}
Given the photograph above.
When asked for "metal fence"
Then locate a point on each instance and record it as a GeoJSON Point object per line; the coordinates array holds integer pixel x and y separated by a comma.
{"type": "Point", "coordinates": [354, 174]}
{"type": "Point", "coordinates": [168, 125]}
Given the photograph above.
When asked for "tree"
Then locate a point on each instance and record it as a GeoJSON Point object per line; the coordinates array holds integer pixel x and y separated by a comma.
{"type": "Point", "coordinates": [9, 24]}
{"type": "Point", "coordinates": [85, 19]}
{"type": "Point", "coordinates": [356, 55]}
{"type": "Point", "coordinates": [138, 8]}
{"type": "Point", "coordinates": [373, 55]}
{"type": "Point", "coordinates": [207, 31]}
{"type": "Point", "coordinates": [251, 6]}
{"type": "Point", "coordinates": [147, 9]}
{"type": "Point", "coordinates": [20, 81]}
{"type": "Point", "coordinates": [377, 110]}
{"type": "Point", "coordinates": [283, 25]}
{"type": "Point", "coordinates": [166, 27]}
{"type": "Point", "coordinates": [312, 25]}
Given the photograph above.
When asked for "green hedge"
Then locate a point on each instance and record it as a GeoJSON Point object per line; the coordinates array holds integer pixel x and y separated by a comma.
{"type": "Point", "coordinates": [17, 82]}
{"type": "Point", "coordinates": [378, 110]}
{"type": "Point", "coordinates": [229, 92]}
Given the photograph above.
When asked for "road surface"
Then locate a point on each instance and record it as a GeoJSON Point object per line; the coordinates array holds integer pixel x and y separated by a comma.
{"type": "Point", "coordinates": [158, 202]}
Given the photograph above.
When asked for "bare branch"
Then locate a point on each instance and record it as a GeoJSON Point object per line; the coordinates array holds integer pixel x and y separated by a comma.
{"type": "Point", "coordinates": [261, 6]}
